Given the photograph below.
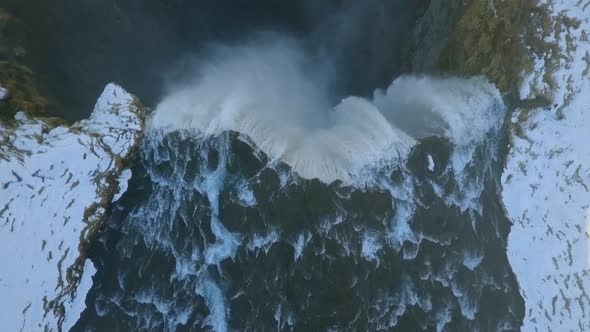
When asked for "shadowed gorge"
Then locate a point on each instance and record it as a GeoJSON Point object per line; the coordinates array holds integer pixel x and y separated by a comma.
{"type": "Point", "coordinates": [144, 44]}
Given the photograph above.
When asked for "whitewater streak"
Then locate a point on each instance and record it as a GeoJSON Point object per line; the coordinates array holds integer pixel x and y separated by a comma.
{"type": "Point", "coordinates": [271, 93]}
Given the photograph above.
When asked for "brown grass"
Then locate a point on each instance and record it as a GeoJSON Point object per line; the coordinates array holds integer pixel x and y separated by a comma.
{"type": "Point", "coordinates": [495, 38]}
{"type": "Point", "coordinates": [15, 70]}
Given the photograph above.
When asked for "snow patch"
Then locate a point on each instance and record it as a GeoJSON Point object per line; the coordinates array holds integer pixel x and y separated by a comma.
{"type": "Point", "coordinates": [546, 185]}
{"type": "Point", "coordinates": [55, 185]}
{"type": "Point", "coordinates": [123, 182]}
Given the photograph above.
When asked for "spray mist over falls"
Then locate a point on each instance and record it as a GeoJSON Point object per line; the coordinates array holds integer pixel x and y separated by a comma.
{"type": "Point", "coordinates": [280, 97]}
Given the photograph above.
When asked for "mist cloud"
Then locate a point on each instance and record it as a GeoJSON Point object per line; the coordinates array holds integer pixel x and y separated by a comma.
{"type": "Point", "coordinates": [273, 91]}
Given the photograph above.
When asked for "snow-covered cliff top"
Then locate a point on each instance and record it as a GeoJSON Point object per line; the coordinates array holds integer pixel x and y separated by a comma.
{"type": "Point", "coordinates": [55, 184]}
{"type": "Point", "coordinates": [547, 178]}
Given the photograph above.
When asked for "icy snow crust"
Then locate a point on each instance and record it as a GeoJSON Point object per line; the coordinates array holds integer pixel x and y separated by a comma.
{"type": "Point", "coordinates": [55, 185]}
{"type": "Point", "coordinates": [546, 184]}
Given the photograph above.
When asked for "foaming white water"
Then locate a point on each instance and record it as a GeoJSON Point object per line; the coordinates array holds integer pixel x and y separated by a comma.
{"type": "Point", "coordinates": [268, 92]}
{"type": "Point", "coordinates": [463, 110]}
{"type": "Point", "coordinates": [217, 318]}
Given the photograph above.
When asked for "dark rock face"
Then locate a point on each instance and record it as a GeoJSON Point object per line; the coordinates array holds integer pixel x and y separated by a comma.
{"type": "Point", "coordinates": [82, 45]}
{"type": "Point", "coordinates": [432, 32]}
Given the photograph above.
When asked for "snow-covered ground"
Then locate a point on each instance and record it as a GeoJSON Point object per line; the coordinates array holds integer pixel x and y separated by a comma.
{"type": "Point", "coordinates": [547, 182]}
{"type": "Point", "coordinates": [54, 186]}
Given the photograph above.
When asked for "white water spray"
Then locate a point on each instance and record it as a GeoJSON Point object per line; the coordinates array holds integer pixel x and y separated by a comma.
{"type": "Point", "coordinates": [271, 92]}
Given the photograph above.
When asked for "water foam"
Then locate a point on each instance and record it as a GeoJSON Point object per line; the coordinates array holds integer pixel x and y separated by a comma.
{"type": "Point", "coordinates": [271, 93]}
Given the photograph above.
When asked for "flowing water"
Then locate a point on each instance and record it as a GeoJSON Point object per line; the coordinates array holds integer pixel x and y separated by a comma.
{"type": "Point", "coordinates": [257, 206]}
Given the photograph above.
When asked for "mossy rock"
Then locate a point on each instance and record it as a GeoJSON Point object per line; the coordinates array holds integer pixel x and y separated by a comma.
{"type": "Point", "coordinates": [15, 71]}
{"type": "Point", "coordinates": [495, 39]}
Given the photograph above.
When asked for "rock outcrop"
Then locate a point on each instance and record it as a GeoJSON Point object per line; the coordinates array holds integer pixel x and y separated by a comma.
{"type": "Point", "coordinates": [55, 186]}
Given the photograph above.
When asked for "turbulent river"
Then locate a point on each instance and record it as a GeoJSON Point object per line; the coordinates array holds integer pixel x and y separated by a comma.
{"type": "Point", "coordinates": [244, 213]}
